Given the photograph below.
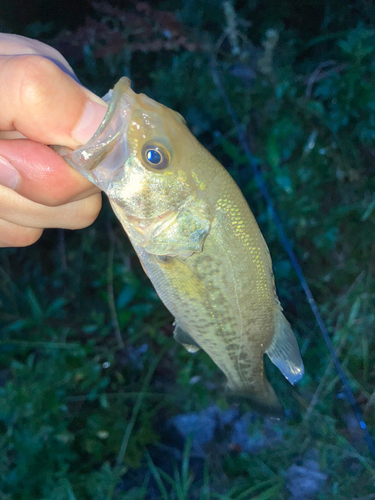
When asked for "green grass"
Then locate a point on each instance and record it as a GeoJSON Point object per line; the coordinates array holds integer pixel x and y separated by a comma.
{"type": "Point", "coordinates": [80, 410]}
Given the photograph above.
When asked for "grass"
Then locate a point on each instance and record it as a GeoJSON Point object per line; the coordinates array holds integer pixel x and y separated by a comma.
{"type": "Point", "coordinates": [89, 372]}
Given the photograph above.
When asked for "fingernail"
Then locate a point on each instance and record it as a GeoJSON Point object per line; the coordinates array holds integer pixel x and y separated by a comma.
{"type": "Point", "coordinates": [92, 117]}
{"type": "Point", "coordinates": [9, 176]}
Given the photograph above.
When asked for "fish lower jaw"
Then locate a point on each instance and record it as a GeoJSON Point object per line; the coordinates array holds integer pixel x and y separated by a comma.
{"type": "Point", "coordinates": [146, 222]}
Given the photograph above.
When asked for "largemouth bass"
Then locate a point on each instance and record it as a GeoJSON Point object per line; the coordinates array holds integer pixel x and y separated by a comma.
{"type": "Point", "coordinates": [196, 238]}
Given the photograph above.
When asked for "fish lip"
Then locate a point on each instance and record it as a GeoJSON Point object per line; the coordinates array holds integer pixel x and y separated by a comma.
{"type": "Point", "coordinates": [109, 139]}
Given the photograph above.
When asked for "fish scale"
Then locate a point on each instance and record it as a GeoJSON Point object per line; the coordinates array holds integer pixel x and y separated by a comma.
{"type": "Point", "coordinates": [196, 238]}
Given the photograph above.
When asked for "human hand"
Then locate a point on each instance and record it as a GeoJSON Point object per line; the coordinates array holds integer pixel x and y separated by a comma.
{"type": "Point", "coordinates": [42, 103]}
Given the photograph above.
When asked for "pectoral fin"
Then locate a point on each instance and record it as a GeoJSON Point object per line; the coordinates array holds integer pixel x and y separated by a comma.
{"type": "Point", "coordinates": [185, 339]}
{"type": "Point", "coordinates": [183, 232]}
{"type": "Point", "coordinates": [284, 351]}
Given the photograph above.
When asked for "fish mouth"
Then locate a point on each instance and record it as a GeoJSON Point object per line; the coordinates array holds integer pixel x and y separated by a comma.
{"type": "Point", "coordinates": [105, 153]}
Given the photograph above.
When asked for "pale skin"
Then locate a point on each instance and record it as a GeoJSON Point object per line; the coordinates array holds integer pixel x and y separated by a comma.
{"type": "Point", "coordinates": [42, 103]}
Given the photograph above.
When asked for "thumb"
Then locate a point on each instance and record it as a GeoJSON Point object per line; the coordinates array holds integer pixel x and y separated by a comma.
{"type": "Point", "coordinates": [45, 104]}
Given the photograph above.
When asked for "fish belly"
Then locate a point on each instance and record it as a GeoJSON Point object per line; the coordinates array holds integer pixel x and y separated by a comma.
{"type": "Point", "coordinates": [224, 298]}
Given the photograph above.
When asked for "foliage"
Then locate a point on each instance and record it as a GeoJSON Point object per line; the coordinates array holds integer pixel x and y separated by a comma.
{"type": "Point", "coordinates": [78, 410]}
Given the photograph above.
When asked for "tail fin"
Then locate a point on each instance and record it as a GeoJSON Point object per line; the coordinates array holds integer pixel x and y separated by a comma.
{"type": "Point", "coordinates": [284, 351]}
{"type": "Point", "coordinates": [262, 397]}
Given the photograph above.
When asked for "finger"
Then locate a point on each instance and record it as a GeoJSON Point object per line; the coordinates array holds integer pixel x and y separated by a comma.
{"type": "Point", "coordinates": [19, 45]}
{"type": "Point", "coordinates": [43, 103]}
{"type": "Point", "coordinates": [18, 210]}
{"type": "Point", "coordinates": [36, 172]}
{"type": "Point", "coordinates": [11, 134]}
{"type": "Point", "coordinates": [12, 235]}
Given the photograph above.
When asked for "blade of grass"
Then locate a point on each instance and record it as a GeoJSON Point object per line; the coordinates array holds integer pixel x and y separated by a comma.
{"type": "Point", "coordinates": [137, 406]}
{"type": "Point", "coordinates": [181, 482]}
{"type": "Point", "coordinates": [245, 495]}
{"type": "Point", "coordinates": [205, 491]}
{"type": "Point", "coordinates": [185, 478]}
{"type": "Point", "coordinates": [69, 490]}
{"type": "Point", "coordinates": [156, 476]}
{"type": "Point", "coordinates": [36, 308]}
{"type": "Point", "coordinates": [49, 345]}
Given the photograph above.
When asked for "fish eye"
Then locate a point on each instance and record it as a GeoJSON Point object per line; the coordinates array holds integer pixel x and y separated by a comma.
{"type": "Point", "coordinates": [156, 156]}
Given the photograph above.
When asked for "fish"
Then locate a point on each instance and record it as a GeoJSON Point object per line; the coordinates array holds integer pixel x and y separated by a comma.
{"type": "Point", "coordinates": [196, 238]}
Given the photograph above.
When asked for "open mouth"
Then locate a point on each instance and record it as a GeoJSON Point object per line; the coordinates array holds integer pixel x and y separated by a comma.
{"type": "Point", "coordinates": [107, 150]}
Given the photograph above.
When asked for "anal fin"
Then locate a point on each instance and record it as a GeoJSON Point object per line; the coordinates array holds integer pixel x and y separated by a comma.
{"type": "Point", "coordinates": [185, 339]}
{"type": "Point", "coordinates": [284, 352]}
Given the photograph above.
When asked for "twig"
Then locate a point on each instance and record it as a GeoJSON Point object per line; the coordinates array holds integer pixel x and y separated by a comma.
{"type": "Point", "coordinates": [41, 344]}
{"type": "Point", "coordinates": [318, 74]}
{"type": "Point", "coordinates": [231, 28]}
{"type": "Point", "coordinates": [62, 248]}
{"type": "Point", "coordinates": [111, 295]}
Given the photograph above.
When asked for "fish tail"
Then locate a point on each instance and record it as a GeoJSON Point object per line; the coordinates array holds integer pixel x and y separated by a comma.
{"type": "Point", "coordinates": [262, 397]}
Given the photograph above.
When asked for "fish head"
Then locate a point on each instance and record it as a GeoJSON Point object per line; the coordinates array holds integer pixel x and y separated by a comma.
{"type": "Point", "coordinates": [140, 156]}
